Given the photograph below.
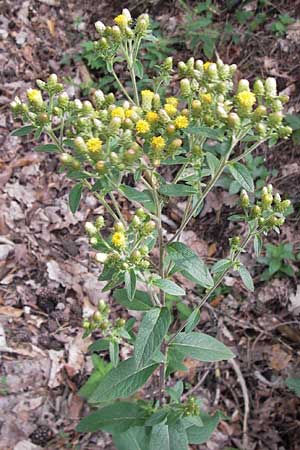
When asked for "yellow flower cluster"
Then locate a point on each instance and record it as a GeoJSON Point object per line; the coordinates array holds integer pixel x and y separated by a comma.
{"type": "Point", "coordinates": [147, 97]}
{"type": "Point", "coordinates": [35, 97]}
{"type": "Point", "coordinates": [206, 98]}
{"type": "Point", "coordinates": [119, 112]}
{"type": "Point", "coordinates": [158, 143]}
{"type": "Point", "coordinates": [246, 99]}
{"type": "Point", "coordinates": [142, 126]}
{"type": "Point", "coordinates": [94, 145]}
{"type": "Point", "coordinates": [170, 109]}
{"type": "Point", "coordinates": [172, 101]}
{"type": "Point", "coordinates": [152, 117]}
{"type": "Point", "coordinates": [121, 20]}
{"type": "Point", "coordinates": [118, 239]}
{"type": "Point", "coordinates": [181, 122]}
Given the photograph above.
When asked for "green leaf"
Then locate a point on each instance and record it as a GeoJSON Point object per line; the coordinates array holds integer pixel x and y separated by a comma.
{"type": "Point", "coordinates": [177, 190]}
{"type": "Point", "coordinates": [47, 148]}
{"type": "Point", "coordinates": [200, 435]}
{"type": "Point", "coordinates": [75, 196]}
{"type": "Point", "coordinates": [135, 438]}
{"type": "Point", "coordinates": [101, 368]}
{"type": "Point", "coordinates": [169, 437]}
{"type": "Point", "coordinates": [130, 284]}
{"type": "Point", "coordinates": [189, 264]}
{"type": "Point", "coordinates": [192, 321]}
{"type": "Point", "coordinates": [99, 345]}
{"type": "Point", "coordinates": [241, 174]}
{"type": "Point", "coordinates": [246, 278]}
{"type": "Point", "coordinates": [122, 381]}
{"type": "Point", "coordinates": [141, 301]}
{"type": "Point", "coordinates": [207, 132]}
{"type": "Point", "coordinates": [115, 418]}
{"type": "Point", "coordinates": [294, 385]}
{"type": "Point", "coordinates": [176, 391]}
{"type": "Point", "coordinates": [201, 346]}
{"type": "Point", "coordinates": [213, 163]}
{"type": "Point", "coordinates": [221, 265]}
{"type": "Point", "coordinates": [152, 331]}
{"type": "Point", "coordinates": [168, 286]}
{"type": "Point", "coordinates": [258, 244]}
{"type": "Point", "coordinates": [23, 130]}
{"type": "Point", "coordinates": [114, 353]}
{"type": "Point", "coordinates": [139, 69]}
{"type": "Point", "coordinates": [143, 197]}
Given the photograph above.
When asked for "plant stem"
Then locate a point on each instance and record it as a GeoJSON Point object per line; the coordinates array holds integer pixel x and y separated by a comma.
{"type": "Point", "coordinates": [121, 86]}
{"type": "Point", "coordinates": [217, 283]}
{"type": "Point", "coordinates": [115, 203]}
{"type": "Point", "coordinates": [247, 152]}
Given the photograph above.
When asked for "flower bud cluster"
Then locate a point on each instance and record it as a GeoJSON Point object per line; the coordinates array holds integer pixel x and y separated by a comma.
{"type": "Point", "coordinates": [101, 321]}
{"type": "Point", "coordinates": [126, 248]}
{"type": "Point", "coordinates": [269, 211]}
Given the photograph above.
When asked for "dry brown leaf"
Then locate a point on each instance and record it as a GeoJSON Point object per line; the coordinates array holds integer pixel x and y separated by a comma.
{"type": "Point", "coordinates": [10, 311]}
{"type": "Point", "coordinates": [279, 358]}
{"type": "Point", "coordinates": [51, 26]}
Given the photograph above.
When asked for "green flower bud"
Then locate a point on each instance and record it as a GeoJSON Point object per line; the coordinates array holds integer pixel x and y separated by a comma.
{"type": "Point", "coordinates": [116, 33]}
{"type": "Point", "coordinates": [41, 84]}
{"type": "Point", "coordinates": [284, 99]}
{"type": "Point", "coordinates": [256, 211]}
{"type": "Point", "coordinates": [144, 250]}
{"type": "Point", "coordinates": [110, 98]}
{"type": "Point", "coordinates": [118, 226]}
{"type": "Point", "coordinates": [196, 108]}
{"type": "Point", "coordinates": [168, 64]}
{"type": "Point", "coordinates": [135, 256]}
{"type": "Point", "coordinates": [285, 132]}
{"type": "Point", "coordinates": [212, 71]}
{"type": "Point", "coordinates": [101, 167]}
{"type": "Point", "coordinates": [120, 323]}
{"type": "Point", "coordinates": [156, 103]}
{"type": "Point", "coordinates": [100, 27]}
{"type": "Point", "coordinates": [77, 104]}
{"type": "Point", "coordinates": [97, 316]}
{"type": "Point", "coordinates": [199, 65]}
{"type": "Point", "coordinates": [115, 123]}
{"type": "Point", "coordinates": [185, 87]}
{"type": "Point", "coordinates": [221, 112]}
{"type": "Point", "coordinates": [243, 85]}
{"type": "Point", "coordinates": [271, 87]}
{"type": "Point", "coordinates": [170, 129]}
{"type": "Point", "coordinates": [164, 116]}
{"type": "Point", "coordinates": [101, 258]}
{"type": "Point", "coordinates": [260, 111]}
{"type": "Point", "coordinates": [99, 223]}
{"type": "Point", "coordinates": [103, 44]}
{"type": "Point", "coordinates": [275, 118]}
{"type": "Point", "coordinates": [233, 120]}
{"type": "Point", "coordinates": [277, 105]}
{"type": "Point", "coordinates": [142, 24]}
{"type": "Point", "coordinates": [63, 100]}
{"type": "Point", "coordinates": [87, 107]}
{"type": "Point", "coordinates": [232, 69]}
{"type": "Point", "coordinates": [90, 229]}
{"type": "Point", "coordinates": [258, 88]}
{"type": "Point", "coordinates": [261, 129]}
{"type": "Point", "coordinates": [140, 213]}
{"type": "Point", "coordinates": [86, 324]}
{"type": "Point", "coordinates": [99, 98]}
{"type": "Point", "coordinates": [80, 144]}
{"type": "Point", "coordinates": [43, 118]}
{"type": "Point", "coordinates": [194, 85]}
{"type": "Point", "coordinates": [102, 307]}
{"type": "Point", "coordinates": [136, 221]}
{"type": "Point", "coordinates": [66, 159]}
{"type": "Point", "coordinates": [182, 68]}
{"type": "Point", "coordinates": [266, 198]}
{"type": "Point", "coordinates": [235, 241]}
{"type": "Point", "coordinates": [244, 198]}
{"type": "Point", "coordinates": [52, 80]}
{"type": "Point", "coordinates": [35, 98]}
{"type": "Point", "coordinates": [130, 155]}
{"type": "Point", "coordinates": [149, 227]}
{"type": "Point", "coordinates": [285, 204]}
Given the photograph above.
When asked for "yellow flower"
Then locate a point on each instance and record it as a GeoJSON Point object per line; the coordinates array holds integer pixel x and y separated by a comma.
{"type": "Point", "coordinates": [35, 97]}
{"type": "Point", "coordinates": [121, 21]}
{"type": "Point", "coordinates": [94, 145]}
{"type": "Point", "coordinates": [246, 99]}
{"type": "Point", "coordinates": [158, 143]}
{"type": "Point", "coordinates": [152, 117]}
{"type": "Point", "coordinates": [206, 65]}
{"type": "Point", "coordinates": [128, 113]}
{"type": "Point", "coordinates": [142, 126]}
{"type": "Point", "coordinates": [181, 122]}
{"type": "Point", "coordinates": [147, 97]}
{"type": "Point", "coordinates": [172, 101]}
{"type": "Point", "coordinates": [170, 109]}
{"type": "Point", "coordinates": [118, 239]}
{"type": "Point", "coordinates": [118, 112]}
{"type": "Point", "coordinates": [206, 98]}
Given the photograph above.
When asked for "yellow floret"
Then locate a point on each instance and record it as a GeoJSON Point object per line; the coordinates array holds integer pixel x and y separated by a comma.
{"type": "Point", "coordinates": [34, 96]}
{"type": "Point", "coordinates": [121, 21]}
{"type": "Point", "coordinates": [118, 239]}
{"type": "Point", "coordinates": [206, 98]}
{"type": "Point", "coordinates": [206, 65]}
{"type": "Point", "coordinates": [181, 122]}
{"type": "Point", "coordinates": [118, 112]}
{"type": "Point", "coordinates": [152, 117]}
{"type": "Point", "coordinates": [142, 126]}
{"type": "Point", "coordinates": [246, 99]}
{"type": "Point", "coordinates": [128, 113]}
{"type": "Point", "coordinates": [170, 109]}
{"type": "Point", "coordinates": [172, 101]}
{"type": "Point", "coordinates": [158, 143]}
{"type": "Point", "coordinates": [94, 145]}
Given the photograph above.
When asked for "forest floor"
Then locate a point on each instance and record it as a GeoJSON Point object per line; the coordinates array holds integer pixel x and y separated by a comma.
{"type": "Point", "coordinates": [47, 279]}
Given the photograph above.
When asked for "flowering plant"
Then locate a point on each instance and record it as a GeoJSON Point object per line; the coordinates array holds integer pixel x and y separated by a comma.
{"type": "Point", "coordinates": [207, 127]}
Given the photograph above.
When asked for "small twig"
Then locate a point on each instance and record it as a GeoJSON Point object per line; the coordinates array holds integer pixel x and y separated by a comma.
{"type": "Point", "coordinates": [243, 385]}
{"type": "Point", "coordinates": [196, 387]}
